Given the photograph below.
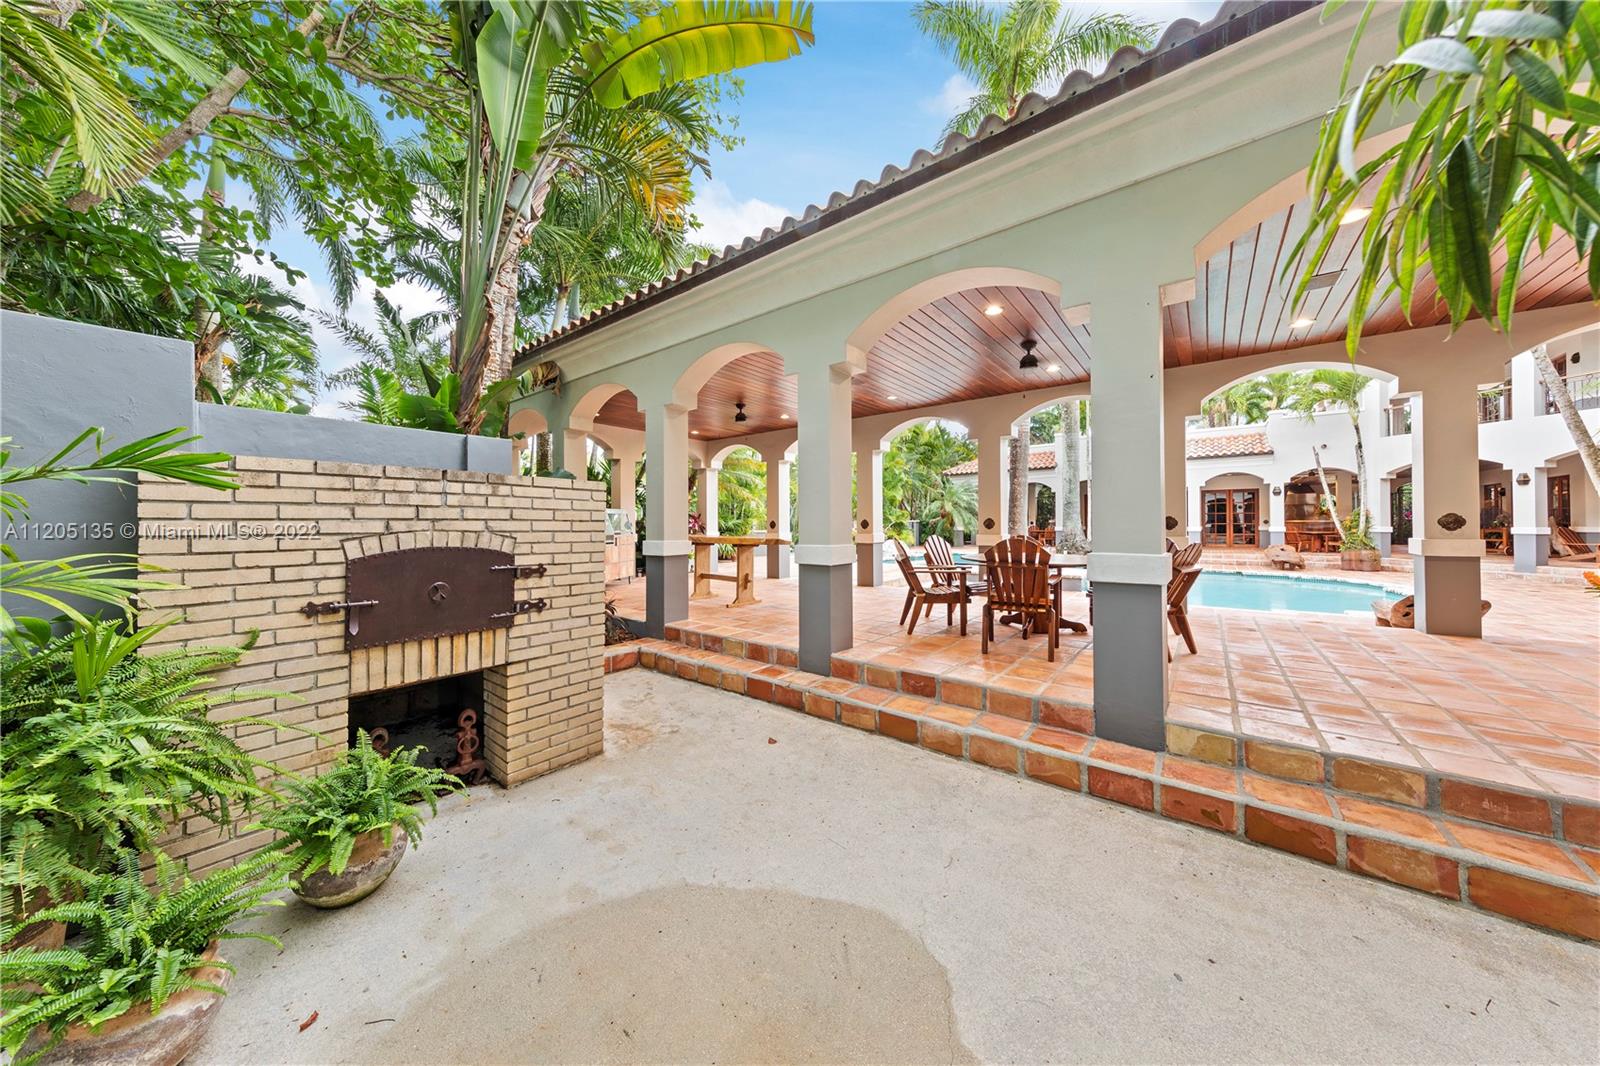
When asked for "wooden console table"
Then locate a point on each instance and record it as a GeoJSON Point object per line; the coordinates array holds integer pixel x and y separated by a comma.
{"type": "Point", "coordinates": [744, 568]}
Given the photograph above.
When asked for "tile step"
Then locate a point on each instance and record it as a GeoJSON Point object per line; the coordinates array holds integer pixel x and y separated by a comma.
{"type": "Point", "coordinates": [1553, 884]}
{"type": "Point", "coordinates": [1506, 807]}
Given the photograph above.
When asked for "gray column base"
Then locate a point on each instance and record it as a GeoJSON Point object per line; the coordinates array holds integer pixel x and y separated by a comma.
{"type": "Point", "coordinates": [1449, 593]}
{"type": "Point", "coordinates": [1130, 664]}
{"type": "Point", "coordinates": [1531, 551]}
{"type": "Point", "coordinates": [826, 615]}
{"type": "Point", "coordinates": [666, 592]}
{"type": "Point", "coordinates": [1269, 537]}
{"type": "Point", "coordinates": [1385, 543]}
{"type": "Point", "coordinates": [869, 563]}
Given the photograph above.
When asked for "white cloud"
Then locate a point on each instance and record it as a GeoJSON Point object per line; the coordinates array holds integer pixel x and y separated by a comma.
{"type": "Point", "coordinates": [725, 219]}
{"type": "Point", "coordinates": [952, 96]}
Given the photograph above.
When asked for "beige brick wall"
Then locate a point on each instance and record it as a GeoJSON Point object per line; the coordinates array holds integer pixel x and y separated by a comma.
{"type": "Point", "coordinates": [250, 559]}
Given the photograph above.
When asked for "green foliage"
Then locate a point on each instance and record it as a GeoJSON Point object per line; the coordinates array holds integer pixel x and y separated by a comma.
{"type": "Point", "coordinates": [534, 61]}
{"type": "Point", "coordinates": [102, 746]}
{"type": "Point", "coordinates": [363, 791]}
{"type": "Point", "coordinates": [1355, 529]}
{"type": "Point", "coordinates": [916, 488]}
{"type": "Point", "coordinates": [382, 397]}
{"type": "Point", "coordinates": [100, 578]}
{"type": "Point", "coordinates": [1013, 49]}
{"type": "Point", "coordinates": [1505, 149]}
{"type": "Point", "coordinates": [138, 947]}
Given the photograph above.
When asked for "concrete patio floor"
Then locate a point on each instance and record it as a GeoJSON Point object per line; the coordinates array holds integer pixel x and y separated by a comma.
{"type": "Point", "coordinates": [733, 882]}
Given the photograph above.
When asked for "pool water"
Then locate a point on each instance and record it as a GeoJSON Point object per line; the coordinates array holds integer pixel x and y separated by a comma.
{"type": "Point", "coordinates": [1270, 592]}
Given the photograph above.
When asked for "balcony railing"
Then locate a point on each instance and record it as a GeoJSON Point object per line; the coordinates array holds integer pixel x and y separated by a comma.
{"type": "Point", "coordinates": [1494, 404]}
{"type": "Point", "coordinates": [1585, 392]}
{"type": "Point", "coordinates": [1396, 421]}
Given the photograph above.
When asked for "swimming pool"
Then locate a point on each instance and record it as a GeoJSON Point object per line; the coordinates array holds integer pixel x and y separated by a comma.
{"type": "Point", "coordinates": [1272, 592]}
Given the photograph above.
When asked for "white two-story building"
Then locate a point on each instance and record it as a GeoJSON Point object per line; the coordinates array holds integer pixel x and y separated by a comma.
{"type": "Point", "coordinates": [1255, 484]}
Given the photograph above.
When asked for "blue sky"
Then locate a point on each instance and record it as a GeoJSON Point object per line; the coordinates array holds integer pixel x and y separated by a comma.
{"type": "Point", "coordinates": [870, 92]}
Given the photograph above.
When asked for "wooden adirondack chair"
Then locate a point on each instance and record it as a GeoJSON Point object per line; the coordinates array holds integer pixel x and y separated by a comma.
{"type": "Point", "coordinates": [1573, 546]}
{"type": "Point", "coordinates": [945, 585]}
{"type": "Point", "coordinates": [1178, 605]}
{"type": "Point", "coordinates": [1019, 584]}
{"type": "Point", "coordinates": [940, 557]}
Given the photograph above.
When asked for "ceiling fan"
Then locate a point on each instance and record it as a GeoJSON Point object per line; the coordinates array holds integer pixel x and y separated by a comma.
{"type": "Point", "coordinates": [1029, 361]}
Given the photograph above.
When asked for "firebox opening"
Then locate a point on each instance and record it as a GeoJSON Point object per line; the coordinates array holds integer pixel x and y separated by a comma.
{"type": "Point", "coordinates": [430, 714]}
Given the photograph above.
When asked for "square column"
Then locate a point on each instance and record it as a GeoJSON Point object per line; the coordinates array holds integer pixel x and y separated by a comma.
{"type": "Point", "coordinates": [1530, 517]}
{"type": "Point", "coordinates": [1018, 445]}
{"type": "Point", "coordinates": [992, 444]}
{"type": "Point", "coordinates": [1444, 443]}
{"type": "Point", "coordinates": [624, 482]}
{"type": "Point", "coordinates": [574, 458]}
{"type": "Point", "coordinates": [1129, 567]}
{"type": "Point", "coordinates": [706, 492]}
{"type": "Point", "coordinates": [869, 513]}
{"type": "Point", "coordinates": [1277, 529]}
{"type": "Point", "coordinates": [777, 512]}
{"type": "Point", "coordinates": [1382, 507]}
{"type": "Point", "coordinates": [826, 553]}
{"type": "Point", "coordinates": [666, 545]}
{"type": "Point", "coordinates": [1176, 463]}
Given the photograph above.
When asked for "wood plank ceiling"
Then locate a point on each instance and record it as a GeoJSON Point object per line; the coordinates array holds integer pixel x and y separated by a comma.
{"type": "Point", "coordinates": [951, 350]}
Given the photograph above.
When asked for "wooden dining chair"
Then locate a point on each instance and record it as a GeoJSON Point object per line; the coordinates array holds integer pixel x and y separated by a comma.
{"type": "Point", "coordinates": [1019, 584]}
{"type": "Point", "coordinates": [944, 585]}
{"type": "Point", "coordinates": [939, 555]}
{"type": "Point", "coordinates": [1178, 606]}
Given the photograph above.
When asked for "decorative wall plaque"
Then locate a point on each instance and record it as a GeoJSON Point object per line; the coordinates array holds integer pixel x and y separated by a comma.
{"type": "Point", "coordinates": [1172, 523]}
{"type": "Point", "coordinates": [1451, 521]}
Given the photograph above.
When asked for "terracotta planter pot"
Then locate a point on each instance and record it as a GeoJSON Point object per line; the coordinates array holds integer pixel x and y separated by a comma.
{"type": "Point", "coordinates": [139, 1038]}
{"type": "Point", "coordinates": [370, 866]}
{"type": "Point", "coordinates": [1361, 559]}
{"type": "Point", "coordinates": [41, 936]}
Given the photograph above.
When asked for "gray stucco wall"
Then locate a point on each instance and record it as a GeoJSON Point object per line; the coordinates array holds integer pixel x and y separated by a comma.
{"type": "Point", "coordinates": [58, 378]}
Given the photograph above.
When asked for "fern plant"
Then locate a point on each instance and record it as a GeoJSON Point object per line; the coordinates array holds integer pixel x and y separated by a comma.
{"type": "Point", "coordinates": [103, 747]}
{"type": "Point", "coordinates": [362, 792]}
{"type": "Point", "coordinates": [139, 945]}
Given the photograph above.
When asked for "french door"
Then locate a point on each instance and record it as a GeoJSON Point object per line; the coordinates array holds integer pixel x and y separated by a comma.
{"type": "Point", "coordinates": [1230, 517]}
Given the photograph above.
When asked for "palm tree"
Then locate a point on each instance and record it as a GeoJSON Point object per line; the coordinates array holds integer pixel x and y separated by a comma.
{"type": "Point", "coordinates": [1069, 507]}
{"type": "Point", "coordinates": [402, 346]}
{"type": "Point", "coordinates": [1013, 49]}
{"type": "Point", "coordinates": [1339, 390]}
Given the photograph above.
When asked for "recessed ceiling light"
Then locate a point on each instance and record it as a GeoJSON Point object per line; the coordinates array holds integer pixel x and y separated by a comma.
{"type": "Point", "coordinates": [994, 309]}
{"type": "Point", "coordinates": [891, 397]}
{"type": "Point", "coordinates": [694, 431]}
{"type": "Point", "coordinates": [785, 416]}
{"type": "Point", "coordinates": [1302, 322]}
{"type": "Point", "coordinates": [1053, 368]}
{"type": "Point", "coordinates": [1354, 214]}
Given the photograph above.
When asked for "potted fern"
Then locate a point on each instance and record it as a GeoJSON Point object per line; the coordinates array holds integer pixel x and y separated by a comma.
{"type": "Point", "coordinates": [339, 828]}
{"type": "Point", "coordinates": [1356, 549]}
{"type": "Point", "coordinates": [143, 980]}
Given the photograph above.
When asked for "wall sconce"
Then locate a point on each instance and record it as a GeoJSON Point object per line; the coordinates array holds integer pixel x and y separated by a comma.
{"type": "Point", "coordinates": [1277, 490]}
{"type": "Point", "coordinates": [1523, 479]}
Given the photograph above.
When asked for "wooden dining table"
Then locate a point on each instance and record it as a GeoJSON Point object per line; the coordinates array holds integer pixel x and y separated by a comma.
{"type": "Point", "coordinates": [1058, 564]}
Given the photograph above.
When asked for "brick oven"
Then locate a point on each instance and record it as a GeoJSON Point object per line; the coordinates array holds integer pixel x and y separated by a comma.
{"type": "Point", "coordinates": [390, 597]}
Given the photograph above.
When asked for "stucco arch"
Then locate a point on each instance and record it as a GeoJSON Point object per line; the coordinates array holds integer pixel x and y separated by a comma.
{"type": "Point", "coordinates": [900, 427]}
{"type": "Point", "coordinates": [1282, 195]}
{"type": "Point", "coordinates": [587, 406]}
{"type": "Point", "coordinates": [693, 378]}
{"type": "Point", "coordinates": [889, 313]}
{"type": "Point", "coordinates": [1294, 366]}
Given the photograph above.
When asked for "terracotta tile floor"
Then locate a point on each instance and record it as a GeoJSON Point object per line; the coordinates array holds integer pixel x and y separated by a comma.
{"type": "Point", "coordinates": [1520, 707]}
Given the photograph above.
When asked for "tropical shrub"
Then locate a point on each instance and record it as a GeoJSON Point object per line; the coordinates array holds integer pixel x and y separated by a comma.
{"type": "Point", "coordinates": [102, 747]}
{"type": "Point", "coordinates": [362, 792]}
{"type": "Point", "coordinates": [139, 945]}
